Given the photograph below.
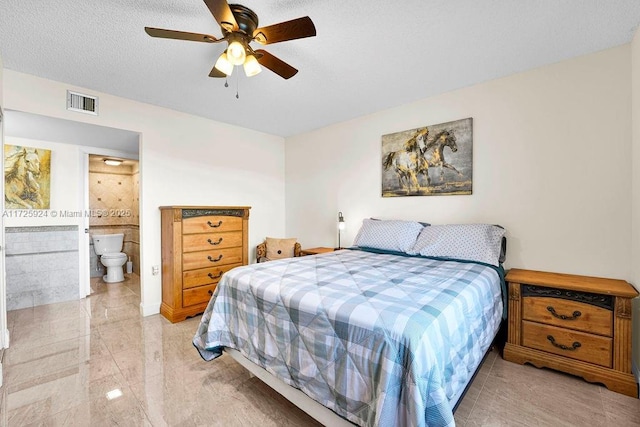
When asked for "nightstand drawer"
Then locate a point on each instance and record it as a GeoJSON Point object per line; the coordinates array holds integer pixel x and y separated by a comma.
{"type": "Point", "coordinates": [576, 345]}
{"type": "Point", "coordinates": [568, 314]}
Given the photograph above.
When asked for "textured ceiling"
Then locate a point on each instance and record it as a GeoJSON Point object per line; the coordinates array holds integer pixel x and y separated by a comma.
{"type": "Point", "coordinates": [368, 55]}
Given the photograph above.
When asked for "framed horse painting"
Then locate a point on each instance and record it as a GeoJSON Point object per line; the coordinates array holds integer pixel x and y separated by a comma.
{"type": "Point", "coordinates": [428, 161]}
{"type": "Point", "coordinates": [27, 174]}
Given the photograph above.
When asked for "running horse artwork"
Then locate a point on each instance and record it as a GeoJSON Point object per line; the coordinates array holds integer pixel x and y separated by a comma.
{"type": "Point", "coordinates": [411, 159]}
{"type": "Point", "coordinates": [445, 138]}
{"type": "Point", "coordinates": [26, 177]}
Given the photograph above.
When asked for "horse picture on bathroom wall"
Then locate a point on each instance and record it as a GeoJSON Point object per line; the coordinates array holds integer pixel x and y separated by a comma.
{"type": "Point", "coordinates": [429, 161]}
{"type": "Point", "coordinates": [27, 177]}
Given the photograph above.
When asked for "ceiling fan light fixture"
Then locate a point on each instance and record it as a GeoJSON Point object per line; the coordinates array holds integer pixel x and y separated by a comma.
{"type": "Point", "coordinates": [223, 64]}
{"type": "Point", "coordinates": [239, 26]}
{"type": "Point", "coordinates": [236, 53]}
{"type": "Point", "coordinates": [251, 66]}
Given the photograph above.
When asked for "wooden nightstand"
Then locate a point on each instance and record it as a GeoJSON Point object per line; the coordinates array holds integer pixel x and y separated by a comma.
{"type": "Point", "coordinates": [315, 251]}
{"type": "Point", "coordinates": [575, 324]}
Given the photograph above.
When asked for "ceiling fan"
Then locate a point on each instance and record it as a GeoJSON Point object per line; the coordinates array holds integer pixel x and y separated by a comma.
{"type": "Point", "coordinates": [239, 26]}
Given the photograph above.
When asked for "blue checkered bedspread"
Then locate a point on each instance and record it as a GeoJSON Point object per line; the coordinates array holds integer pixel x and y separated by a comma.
{"type": "Point", "coordinates": [380, 339]}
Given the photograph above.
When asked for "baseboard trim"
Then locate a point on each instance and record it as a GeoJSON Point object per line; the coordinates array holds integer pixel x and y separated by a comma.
{"type": "Point", "coordinates": [149, 309]}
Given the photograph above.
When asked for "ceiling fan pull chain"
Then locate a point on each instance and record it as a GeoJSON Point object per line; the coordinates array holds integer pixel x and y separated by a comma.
{"type": "Point", "coordinates": [237, 85]}
{"type": "Point", "coordinates": [226, 83]}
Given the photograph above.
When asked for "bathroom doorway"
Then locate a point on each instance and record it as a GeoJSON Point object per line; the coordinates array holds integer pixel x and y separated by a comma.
{"type": "Point", "coordinates": [64, 233]}
{"type": "Point", "coordinates": [113, 202]}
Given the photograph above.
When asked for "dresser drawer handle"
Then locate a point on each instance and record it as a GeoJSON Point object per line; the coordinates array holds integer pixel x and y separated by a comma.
{"type": "Point", "coordinates": [212, 225]}
{"type": "Point", "coordinates": [573, 347]}
{"type": "Point", "coordinates": [210, 292]}
{"type": "Point", "coordinates": [211, 276]}
{"type": "Point", "coordinates": [576, 314]}
{"type": "Point", "coordinates": [216, 259]}
{"type": "Point", "coordinates": [215, 243]}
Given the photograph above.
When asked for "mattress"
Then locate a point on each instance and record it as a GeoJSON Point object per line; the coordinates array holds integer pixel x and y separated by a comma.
{"type": "Point", "coordinates": [380, 339]}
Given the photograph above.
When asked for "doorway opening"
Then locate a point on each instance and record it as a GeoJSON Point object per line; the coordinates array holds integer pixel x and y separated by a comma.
{"type": "Point", "coordinates": [114, 222]}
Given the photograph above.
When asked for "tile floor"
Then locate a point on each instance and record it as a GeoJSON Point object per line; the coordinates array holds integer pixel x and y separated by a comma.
{"type": "Point", "coordinates": [65, 358]}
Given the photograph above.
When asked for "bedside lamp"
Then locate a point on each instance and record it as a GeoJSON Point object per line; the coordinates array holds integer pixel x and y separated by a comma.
{"type": "Point", "coordinates": [341, 226]}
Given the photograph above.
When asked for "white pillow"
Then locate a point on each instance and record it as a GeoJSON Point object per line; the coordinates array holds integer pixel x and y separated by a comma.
{"type": "Point", "coordinates": [389, 235]}
{"type": "Point", "coordinates": [473, 242]}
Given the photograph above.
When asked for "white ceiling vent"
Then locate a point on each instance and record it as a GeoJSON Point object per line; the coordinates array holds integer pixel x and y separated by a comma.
{"type": "Point", "coordinates": [82, 103]}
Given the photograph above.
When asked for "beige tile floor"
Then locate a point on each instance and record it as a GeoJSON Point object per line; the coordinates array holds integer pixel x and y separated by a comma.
{"type": "Point", "coordinates": [64, 359]}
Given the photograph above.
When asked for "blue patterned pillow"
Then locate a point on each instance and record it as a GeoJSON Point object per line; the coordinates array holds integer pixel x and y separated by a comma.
{"type": "Point", "coordinates": [474, 242]}
{"type": "Point", "coordinates": [389, 235]}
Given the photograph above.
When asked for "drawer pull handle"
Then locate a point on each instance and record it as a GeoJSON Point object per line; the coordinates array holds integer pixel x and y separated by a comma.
{"type": "Point", "coordinates": [576, 314]}
{"type": "Point", "coordinates": [573, 347]}
{"type": "Point", "coordinates": [212, 225]}
{"type": "Point", "coordinates": [211, 276]}
{"type": "Point", "coordinates": [215, 243]}
{"type": "Point", "coordinates": [216, 259]}
{"type": "Point", "coordinates": [210, 292]}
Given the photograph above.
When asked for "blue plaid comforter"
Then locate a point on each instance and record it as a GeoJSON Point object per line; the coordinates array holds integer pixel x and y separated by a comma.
{"type": "Point", "coordinates": [380, 339]}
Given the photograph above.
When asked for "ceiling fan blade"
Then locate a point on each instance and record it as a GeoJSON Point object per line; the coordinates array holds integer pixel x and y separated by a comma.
{"type": "Point", "coordinates": [276, 65]}
{"type": "Point", "coordinates": [289, 30]}
{"type": "Point", "coordinates": [180, 35]}
{"type": "Point", "coordinates": [216, 73]}
{"type": "Point", "coordinates": [222, 12]}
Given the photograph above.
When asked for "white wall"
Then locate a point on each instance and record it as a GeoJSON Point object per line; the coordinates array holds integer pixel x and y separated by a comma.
{"type": "Point", "coordinates": [65, 186]}
{"type": "Point", "coordinates": [4, 332]}
{"type": "Point", "coordinates": [551, 158]}
{"type": "Point", "coordinates": [635, 227]}
{"type": "Point", "coordinates": [1, 86]}
{"type": "Point", "coordinates": [184, 160]}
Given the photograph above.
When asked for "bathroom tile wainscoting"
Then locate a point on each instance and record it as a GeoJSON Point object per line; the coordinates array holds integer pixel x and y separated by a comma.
{"type": "Point", "coordinates": [42, 265]}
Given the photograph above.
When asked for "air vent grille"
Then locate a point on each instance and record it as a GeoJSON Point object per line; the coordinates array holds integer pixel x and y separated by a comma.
{"type": "Point", "coordinates": [82, 103]}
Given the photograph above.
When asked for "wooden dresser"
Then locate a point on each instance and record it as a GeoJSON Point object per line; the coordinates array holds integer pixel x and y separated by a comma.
{"type": "Point", "coordinates": [575, 324]}
{"type": "Point", "coordinates": [199, 244]}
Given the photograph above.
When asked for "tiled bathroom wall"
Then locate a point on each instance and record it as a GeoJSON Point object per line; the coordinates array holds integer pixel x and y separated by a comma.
{"type": "Point", "coordinates": [41, 265]}
{"type": "Point", "coordinates": [114, 199]}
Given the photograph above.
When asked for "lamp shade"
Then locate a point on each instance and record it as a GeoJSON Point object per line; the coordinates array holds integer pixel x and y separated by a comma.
{"type": "Point", "coordinates": [236, 53]}
{"type": "Point", "coordinates": [251, 66]}
{"type": "Point", "coordinates": [223, 64]}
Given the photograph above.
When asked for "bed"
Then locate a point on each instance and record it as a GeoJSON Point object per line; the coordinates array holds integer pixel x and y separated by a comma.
{"type": "Point", "coordinates": [377, 335]}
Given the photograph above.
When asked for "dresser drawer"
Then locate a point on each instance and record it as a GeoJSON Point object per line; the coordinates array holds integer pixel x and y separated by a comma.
{"type": "Point", "coordinates": [199, 295]}
{"type": "Point", "coordinates": [568, 314]}
{"type": "Point", "coordinates": [205, 276]}
{"type": "Point", "coordinates": [213, 258]}
{"type": "Point", "coordinates": [211, 223]}
{"type": "Point", "coordinates": [564, 342]}
{"type": "Point", "coordinates": [206, 241]}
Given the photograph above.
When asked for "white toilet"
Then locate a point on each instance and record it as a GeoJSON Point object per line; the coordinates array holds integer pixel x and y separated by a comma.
{"type": "Point", "coordinates": [108, 246]}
